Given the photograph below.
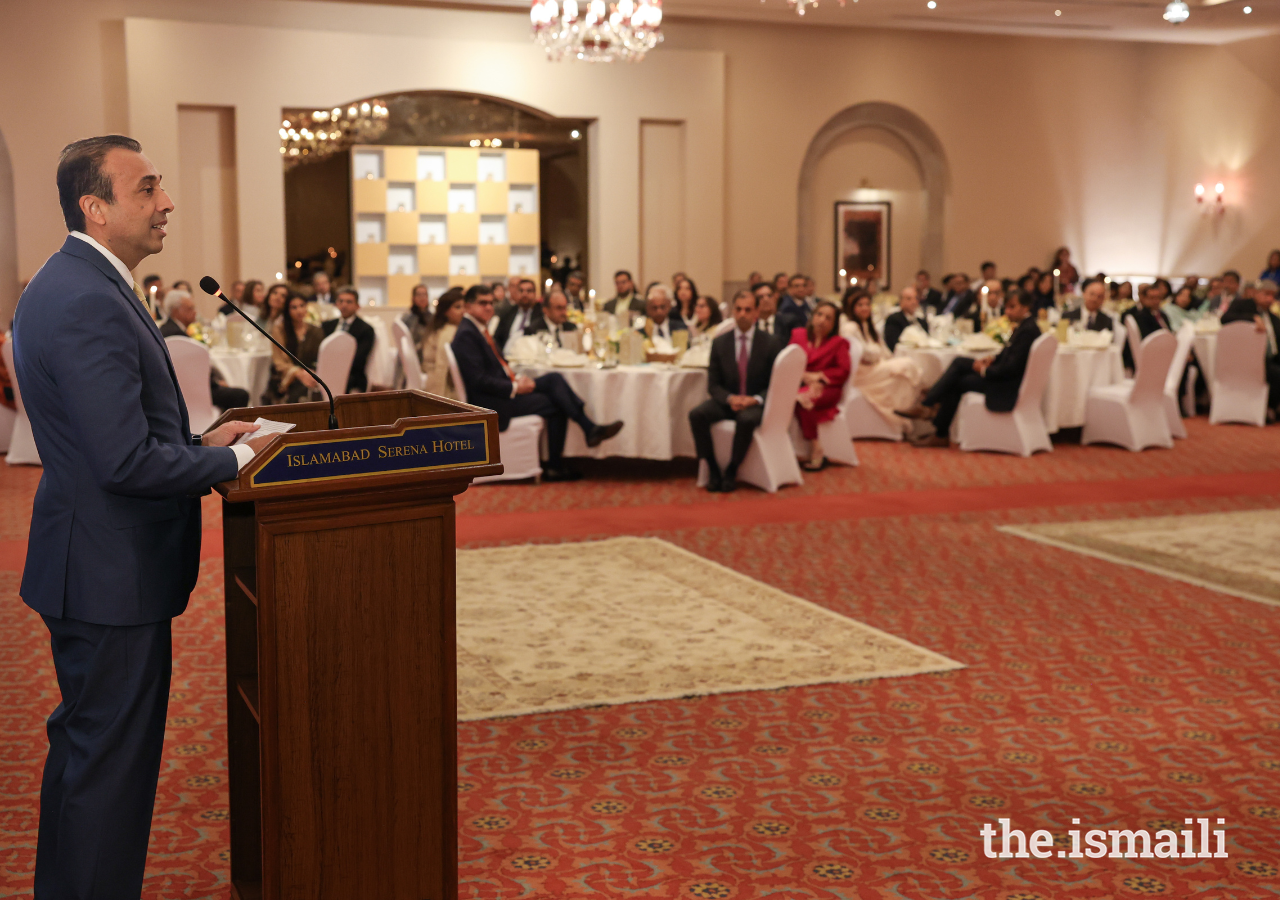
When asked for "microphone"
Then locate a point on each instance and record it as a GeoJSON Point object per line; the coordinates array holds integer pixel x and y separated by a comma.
{"type": "Point", "coordinates": [210, 286]}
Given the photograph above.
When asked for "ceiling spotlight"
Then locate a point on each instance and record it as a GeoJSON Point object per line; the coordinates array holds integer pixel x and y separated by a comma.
{"type": "Point", "coordinates": [932, 4]}
{"type": "Point", "coordinates": [1176, 12]}
{"type": "Point", "coordinates": [1247, 10]}
{"type": "Point", "coordinates": [1057, 12]}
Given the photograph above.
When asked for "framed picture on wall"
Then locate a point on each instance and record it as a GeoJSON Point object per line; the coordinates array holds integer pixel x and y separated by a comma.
{"type": "Point", "coordinates": [862, 243]}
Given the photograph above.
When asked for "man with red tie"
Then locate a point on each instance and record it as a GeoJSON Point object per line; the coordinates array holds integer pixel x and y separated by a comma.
{"type": "Point", "coordinates": [491, 383]}
{"type": "Point", "coordinates": [738, 379]}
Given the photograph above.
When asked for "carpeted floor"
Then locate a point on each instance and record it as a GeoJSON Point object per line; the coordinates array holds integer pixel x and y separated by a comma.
{"type": "Point", "coordinates": [1092, 690]}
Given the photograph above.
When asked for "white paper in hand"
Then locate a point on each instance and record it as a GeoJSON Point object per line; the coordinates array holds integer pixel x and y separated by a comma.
{"type": "Point", "coordinates": [265, 426]}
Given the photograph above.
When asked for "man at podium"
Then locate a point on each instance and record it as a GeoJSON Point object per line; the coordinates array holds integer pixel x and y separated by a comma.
{"type": "Point", "coordinates": [115, 529]}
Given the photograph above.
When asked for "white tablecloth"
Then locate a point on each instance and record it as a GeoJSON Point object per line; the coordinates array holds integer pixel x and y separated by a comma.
{"type": "Point", "coordinates": [653, 400]}
{"type": "Point", "coordinates": [248, 369]}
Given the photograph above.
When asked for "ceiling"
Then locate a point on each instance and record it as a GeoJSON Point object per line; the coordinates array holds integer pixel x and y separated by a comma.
{"type": "Point", "coordinates": [1211, 21]}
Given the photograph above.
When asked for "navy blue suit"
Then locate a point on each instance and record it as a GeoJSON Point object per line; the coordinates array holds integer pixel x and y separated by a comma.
{"type": "Point", "coordinates": [113, 555]}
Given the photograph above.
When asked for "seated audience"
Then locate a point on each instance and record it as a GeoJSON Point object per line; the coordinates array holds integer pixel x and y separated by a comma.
{"type": "Point", "coordinates": [236, 291]}
{"type": "Point", "coordinates": [998, 378]}
{"type": "Point", "coordinates": [490, 382]}
{"type": "Point", "coordinates": [658, 324]}
{"type": "Point", "coordinates": [322, 289]}
{"type": "Point", "coordinates": [181, 285]}
{"type": "Point", "coordinates": [960, 299]}
{"type": "Point", "coordinates": [769, 319]}
{"type": "Point", "coordinates": [1272, 271]}
{"type": "Point", "coordinates": [909, 313]}
{"type": "Point", "coordinates": [825, 373]}
{"type": "Point", "coordinates": [738, 377]}
{"type": "Point", "coordinates": [153, 290]}
{"type": "Point", "coordinates": [1044, 297]}
{"type": "Point", "coordinates": [417, 318]}
{"type": "Point", "coordinates": [251, 300]}
{"type": "Point", "coordinates": [290, 383]}
{"type": "Point", "coordinates": [180, 312]}
{"type": "Point", "coordinates": [1068, 276]}
{"type": "Point", "coordinates": [795, 303]}
{"type": "Point", "coordinates": [1227, 292]}
{"type": "Point", "coordinates": [1258, 310]}
{"type": "Point", "coordinates": [706, 316]}
{"type": "Point", "coordinates": [502, 296]}
{"type": "Point", "coordinates": [555, 313]}
{"type": "Point", "coordinates": [779, 288]}
{"type": "Point", "coordinates": [888, 382]}
{"type": "Point", "coordinates": [347, 303]}
{"type": "Point", "coordinates": [1184, 307]}
{"type": "Point", "coordinates": [444, 325]}
{"type": "Point", "coordinates": [574, 295]}
{"type": "Point", "coordinates": [1089, 316]}
{"type": "Point", "coordinates": [625, 305]}
{"type": "Point", "coordinates": [686, 299]}
{"type": "Point", "coordinates": [990, 304]}
{"type": "Point", "coordinates": [930, 297]}
{"type": "Point", "coordinates": [523, 317]}
{"type": "Point", "coordinates": [274, 307]}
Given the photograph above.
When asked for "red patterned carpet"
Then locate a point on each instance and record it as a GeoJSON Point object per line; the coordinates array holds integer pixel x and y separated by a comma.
{"type": "Point", "coordinates": [1094, 691]}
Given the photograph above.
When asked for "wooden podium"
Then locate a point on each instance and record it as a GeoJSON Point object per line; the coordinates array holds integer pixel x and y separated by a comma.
{"type": "Point", "coordinates": [341, 696]}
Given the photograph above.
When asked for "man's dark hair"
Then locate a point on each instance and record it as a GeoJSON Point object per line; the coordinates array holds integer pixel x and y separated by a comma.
{"type": "Point", "coordinates": [988, 265]}
{"type": "Point", "coordinates": [347, 289]}
{"type": "Point", "coordinates": [150, 278]}
{"type": "Point", "coordinates": [1233, 273]}
{"type": "Point", "coordinates": [924, 272]}
{"type": "Point", "coordinates": [1022, 298]}
{"type": "Point", "coordinates": [744, 292]}
{"type": "Point", "coordinates": [760, 284]}
{"type": "Point", "coordinates": [80, 173]}
{"type": "Point", "coordinates": [529, 281]}
{"type": "Point", "coordinates": [622, 272]}
{"type": "Point", "coordinates": [477, 291]}
{"type": "Point", "coordinates": [1088, 281]}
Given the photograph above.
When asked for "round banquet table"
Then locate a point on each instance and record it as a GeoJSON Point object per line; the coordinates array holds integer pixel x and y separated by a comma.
{"type": "Point", "coordinates": [248, 369]}
{"type": "Point", "coordinates": [654, 400]}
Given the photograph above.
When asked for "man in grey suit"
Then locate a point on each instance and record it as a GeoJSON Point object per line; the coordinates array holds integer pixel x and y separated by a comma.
{"type": "Point", "coordinates": [114, 544]}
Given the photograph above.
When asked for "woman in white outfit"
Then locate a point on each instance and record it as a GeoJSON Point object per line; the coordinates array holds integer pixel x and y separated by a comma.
{"type": "Point", "coordinates": [888, 382]}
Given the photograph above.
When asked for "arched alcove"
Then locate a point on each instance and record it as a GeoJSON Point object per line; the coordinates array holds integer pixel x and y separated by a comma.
{"type": "Point", "coordinates": [8, 239]}
{"type": "Point", "coordinates": [892, 127]}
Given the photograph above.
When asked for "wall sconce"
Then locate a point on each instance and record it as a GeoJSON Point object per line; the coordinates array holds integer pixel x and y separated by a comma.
{"type": "Point", "coordinates": [1218, 190]}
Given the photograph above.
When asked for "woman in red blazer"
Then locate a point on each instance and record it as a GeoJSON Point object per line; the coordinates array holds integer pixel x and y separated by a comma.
{"type": "Point", "coordinates": [825, 373]}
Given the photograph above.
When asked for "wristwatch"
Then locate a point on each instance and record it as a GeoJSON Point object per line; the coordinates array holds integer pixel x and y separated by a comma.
{"type": "Point", "coordinates": [195, 440]}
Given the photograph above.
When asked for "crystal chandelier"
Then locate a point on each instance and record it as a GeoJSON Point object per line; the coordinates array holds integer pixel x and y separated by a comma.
{"type": "Point", "coordinates": [596, 31]}
{"type": "Point", "coordinates": [313, 135]}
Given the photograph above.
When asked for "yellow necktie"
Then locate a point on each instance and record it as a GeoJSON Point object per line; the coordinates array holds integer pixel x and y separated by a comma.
{"type": "Point", "coordinates": [142, 298]}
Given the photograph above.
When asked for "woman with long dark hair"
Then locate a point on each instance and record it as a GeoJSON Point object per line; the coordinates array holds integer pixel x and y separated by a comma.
{"type": "Point", "coordinates": [706, 316]}
{"type": "Point", "coordinates": [887, 381]}
{"type": "Point", "coordinates": [444, 325]}
{"type": "Point", "coordinates": [826, 370]}
{"type": "Point", "coordinates": [276, 303]}
{"type": "Point", "coordinates": [290, 383]}
{"type": "Point", "coordinates": [686, 299]}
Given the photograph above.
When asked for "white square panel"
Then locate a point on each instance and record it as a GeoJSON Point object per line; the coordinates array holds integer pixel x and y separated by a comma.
{"type": "Point", "coordinates": [433, 229]}
{"type": "Point", "coordinates": [400, 196]}
{"type": "Point", "coordinates": [373, 290]}
{"type": "Point", "coordinates": [492, 167]}
{"type": "Point", "coordinates": [402, 260]}
{"type": "Point", "coordinates": [436, 285]}
{"type": "Point", "coordinates": [493, 229]}
{"type": "Point", "coordinates": [367, 163]}
{"type": "Point", "coordinates": [463, 260]}
{"type": "Point", "coordinates": [523, 261]}
{"type": "Point", "coordinates": [430, 166]}
{"type": "Point", "coordinates": [462, 198]}
{"type": "Point", "coordinates": [371, 228]}
{"type": "Point", "coordinates": [522, 198]}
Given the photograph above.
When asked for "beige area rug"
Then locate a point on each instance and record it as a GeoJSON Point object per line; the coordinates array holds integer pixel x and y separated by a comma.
{"type": "Point", "coordinates": [560, 626]}
{"type": "Point", "coordinates": [1234, 553]}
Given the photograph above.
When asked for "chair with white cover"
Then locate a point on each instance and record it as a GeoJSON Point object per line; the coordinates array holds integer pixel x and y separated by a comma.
{"type": "Point", "coordinates": [1239, 376]}
{"type": "Point", "coordinates": [1172, 381]}
{"type": "Point", "coordinates": [861, 418]}
{"type": "Point", "coordinates": [771, 461]}
{"type": "Point", "coordinates": [191, 364]}
{"type": "Point", "coordinates": [22, 443]}
{"type": "Point", "coordinates": [333, 362]}
{"type": "Point", "coordinates": [837, 442]}
{"type": "Point", "coordinates": [1132, 414]}
{"type": "Point", "coordinates": [519, 444]}
{"type": "Point", "coordinates": [1021, 431]}
{"type": "Point", "coordinates": [1134, 334]}
{"type": "Point", "coordinates": [398, 331]}
{"type": "Point", "coordinates": [413, 379]}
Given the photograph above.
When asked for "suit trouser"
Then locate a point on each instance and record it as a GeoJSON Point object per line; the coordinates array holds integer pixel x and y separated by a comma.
{"type": "Point", "coordinates": [1272, 371]}
{"type": "Point", "coordinates": [710, 411]}
{"type": "Point", "coordinates": [958, 380]}
{"type": "Point", "coordinates": [105, 740]}
{"type": "Point", "coordinates": [225, 397]}
{"type": "Point", "coordinates": [555, 401]}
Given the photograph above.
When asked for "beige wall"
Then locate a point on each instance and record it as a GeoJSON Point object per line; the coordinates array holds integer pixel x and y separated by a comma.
{"type": "Point", "coordinates": [1093, 144]}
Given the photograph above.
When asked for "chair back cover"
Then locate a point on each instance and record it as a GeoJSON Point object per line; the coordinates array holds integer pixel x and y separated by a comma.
{"type": "Point", "coordinates": [409, 362]}
{"type": "Point", "coordinates": [1186, 337]}
{"type": "Point", "coordinates": [458, 384]}
{"type": "Point", "coordinates": [1156, 354]}
{"type": "Point", "coordinates": [191, 364]}
{"type": "Point", "coordinates": [333, 363]}
{"type": "Point", "coordinates": [784, 386]}
{"type": "Point", "coordinates": [1241, 355]}
{"type": "Point", "coordinates": [1036, 377]}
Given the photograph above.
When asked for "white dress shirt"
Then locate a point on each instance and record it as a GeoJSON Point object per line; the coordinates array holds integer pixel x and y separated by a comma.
{"type": "Point", "coordinates": [242, 452]}
{"type": "Point", "coordinates": [518, 325]}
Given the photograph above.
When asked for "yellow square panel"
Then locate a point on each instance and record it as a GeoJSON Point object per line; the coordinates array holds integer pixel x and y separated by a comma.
{"type": "Point", "coordinates": [433, 196]}
{"type": "Point", "coordinates": [371, 259]}
{"type": "Point", "coordinates": [400, 289]}
{"type": "Point", "coordinates": [401, 163]}
{"type": "Point", "coordinates": [522, 228]}
{"type": "Point", "coordinates": [433, 259]}
{"type": "Point", "coordinates": [522, 166]}
{"type": "Point", "coordinates": [369, 195]}
{"type": "Point", "coordinates": [494, 257]}
{"type": "Point", "coordinates": [491, 197]}
{"type": "Point", "coordinates": [402, 228]}
{"type": "Point", "coordinates": [463, 281]}
{"type": "Point", "coordinates": [460, 164]}
{"type": "Point", "coordinates": [464, 228]}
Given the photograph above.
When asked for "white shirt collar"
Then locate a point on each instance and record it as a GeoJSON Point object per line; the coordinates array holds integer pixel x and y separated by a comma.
{"type": "Point", "coordinates": [476, 322]}
{"type": "Point", "coordinates": [111, 257]}
{"type": "Point", "coordinates": [739, 334]}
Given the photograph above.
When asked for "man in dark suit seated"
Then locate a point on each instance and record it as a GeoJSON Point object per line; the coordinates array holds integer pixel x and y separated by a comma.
{"type": "Point", "coordinates": [491, 383]}
{"type": "Point", "coordinates": [960, 297]}
{"type": "Point", "coordinates": [625, 300]}
{"type": "Point", "coordinates": [555, 315]}
{"type": "Point", "coordinates": [1148, 315]}
{"type": "Point", "coordinates": [1093, 293]}
{"type": "Point", "coordinates": [930, 297]}
{"type": "Point", "coordinates": [768, 318]}
{"type": "Point", "coordinates": [908, 314]}
{"type": "Point", "coordinates": [180, 312]}
{"type": "Point", "coordinates": [348, 304]}
{"type": "Point", "coordinates": [795, 302]}
{"type": "Point", "coordinates": [998, 377]}
{"type": "Point", "coordinates": [1258, 310]}
{"type": "Point", "coordinates": [523, 317]}
{"type": "Point", "coordinates": [738, 381]}
{"type": "Point", "coordinates": [659, 325]}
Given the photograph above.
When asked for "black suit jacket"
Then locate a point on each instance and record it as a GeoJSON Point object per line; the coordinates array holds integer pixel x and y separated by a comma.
{"type": "Point", "coordinates": [1243, 309]}
{"type": "Point", "coordinates": [1101, 321]}
{"type": "Point", "coordinates": [636, 305]}
{"type": "Point", "coordinates": [964, 303]}
{"type": "Point", "coordinates": [1004, 375]}
{"type": "Point", "coordinates": [783, 325]}
{"type": "Point", "coordinates": [931, 297]}
{"type": "Point", "coordinates": [537, 322]}
{"type": "Point", "coordinates": [362, 331]}
{"type": "Point", "coordinates": [722, 370]}
{"type": "Point", "coordinates": [482, 374]}
{"type": "Point", "coordinates": [897, 323]}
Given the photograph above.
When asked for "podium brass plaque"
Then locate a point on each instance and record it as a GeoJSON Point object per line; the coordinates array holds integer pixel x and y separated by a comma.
{"type": "Point", "coordinates": [416, 448]}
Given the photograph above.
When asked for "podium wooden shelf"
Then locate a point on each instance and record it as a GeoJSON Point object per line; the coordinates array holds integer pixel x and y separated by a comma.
{"type": "Point", "coordinates": [341, 659]}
